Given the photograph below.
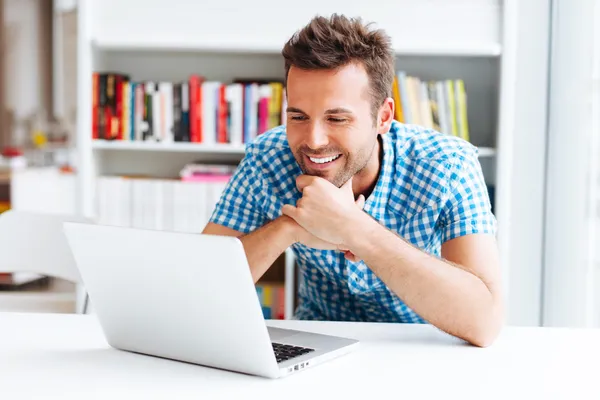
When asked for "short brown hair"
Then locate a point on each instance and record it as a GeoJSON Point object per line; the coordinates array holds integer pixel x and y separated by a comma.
{"type": "Point", "coordinates": [330, 43]}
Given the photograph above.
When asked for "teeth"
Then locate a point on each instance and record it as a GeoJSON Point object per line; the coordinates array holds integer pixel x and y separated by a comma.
{"type": "Point", "coordinates": [323, 160]}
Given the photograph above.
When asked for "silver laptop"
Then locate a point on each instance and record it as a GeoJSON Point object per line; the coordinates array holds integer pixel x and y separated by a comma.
{"type": "Point", "coordinates": [188, 297]}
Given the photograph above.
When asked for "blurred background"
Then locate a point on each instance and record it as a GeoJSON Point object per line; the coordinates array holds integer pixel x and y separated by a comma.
{"type": "Point", "coordinates": [136, 112]}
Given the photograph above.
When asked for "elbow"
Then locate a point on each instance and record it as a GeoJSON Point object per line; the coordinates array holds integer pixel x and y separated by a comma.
{"type": "Point", "coordinates": [486, 329]}
{"type": "Point", "coordinates": [486, 333]}
{"type": "Point", "coordinates": [483, 337]}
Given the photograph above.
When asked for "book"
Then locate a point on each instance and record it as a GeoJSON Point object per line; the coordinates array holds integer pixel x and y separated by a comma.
{"type": "Point", "coordinates": [195, 110]}
{"type": "Point", "coordinates": [200, 110]}
{"type": "Point", "coordinates": [440, 105]}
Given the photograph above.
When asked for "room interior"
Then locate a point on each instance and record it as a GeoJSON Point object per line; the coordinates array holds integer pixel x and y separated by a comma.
{"type": "Point", "coordinates": [514, 58]}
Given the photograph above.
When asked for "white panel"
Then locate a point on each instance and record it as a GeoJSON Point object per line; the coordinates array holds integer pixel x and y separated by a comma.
{"type": "Point", "coordinates": [521, 156]}
{"type": "Point", "coordinates": [44, 190]}
{"type": "Point", "coordinates": [85, 66]}
{"type": "Point", "coordinates": [594, 220]}
{"type": "Point", "coordinates": [266, 25]}
{"type": "Point", "coordinates": [569, 272]}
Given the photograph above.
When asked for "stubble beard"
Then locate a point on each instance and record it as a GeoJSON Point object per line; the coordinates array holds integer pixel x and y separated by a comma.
{"type": "Point", "coordinates": [352, 166]}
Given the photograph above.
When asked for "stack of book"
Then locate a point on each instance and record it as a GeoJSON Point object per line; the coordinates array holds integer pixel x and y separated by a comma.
{"type": "Point", "coordinates": [271, 296]}
{"type": "Point", "coordinates": [439, 105]}
{"type": "Point", "coordinates": [196, 110]}
{"type": "Point", "coordinates": [183, 205]}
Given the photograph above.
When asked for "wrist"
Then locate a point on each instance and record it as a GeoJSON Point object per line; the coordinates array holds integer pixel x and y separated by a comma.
{"type": "Point", "coordinates": [289, 229]}
{"type": "Point", "coordinates": [359, 228]}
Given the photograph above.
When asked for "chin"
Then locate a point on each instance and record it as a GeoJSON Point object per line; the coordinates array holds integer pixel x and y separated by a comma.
{"type": "Point", "coordinates": [322, 174]}
{"type": "Point", "coordinates": [336, 179]}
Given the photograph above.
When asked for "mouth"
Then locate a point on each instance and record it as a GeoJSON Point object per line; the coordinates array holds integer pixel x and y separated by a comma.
{"type": "Point", "coordinates": [323, 162]}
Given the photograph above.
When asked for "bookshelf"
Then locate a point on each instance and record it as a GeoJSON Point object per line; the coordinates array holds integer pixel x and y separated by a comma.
{"type": "Point", "coordinates": [178, 147]}
{"type": "Point", "coordinates": [181, 147]}
{"type": "Point", "coordinates": [474, 40]}
{"type": "Point", "coordinates": [270, 47]}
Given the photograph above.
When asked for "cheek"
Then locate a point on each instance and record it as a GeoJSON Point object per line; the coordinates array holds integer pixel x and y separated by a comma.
{"type": "Point", "coordinates": [355, 141]}
{"type": "Point", "coordinates": [292, 136]}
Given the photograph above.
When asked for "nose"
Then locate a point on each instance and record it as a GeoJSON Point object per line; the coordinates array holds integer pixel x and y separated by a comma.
{"type": "Point", "coordinates": [317, 137]}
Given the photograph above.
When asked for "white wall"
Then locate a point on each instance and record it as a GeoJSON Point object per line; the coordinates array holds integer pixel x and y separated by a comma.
{"type": "Point", "coordinates": [527, 95]}
{"type": "Point", "coordinates": [572, 157]}
{"type": "Point", "coordinates": [23, 83]}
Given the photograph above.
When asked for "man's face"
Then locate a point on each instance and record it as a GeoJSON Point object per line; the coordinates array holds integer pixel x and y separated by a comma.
{"type": "Point", "coordinates": [330, 127]}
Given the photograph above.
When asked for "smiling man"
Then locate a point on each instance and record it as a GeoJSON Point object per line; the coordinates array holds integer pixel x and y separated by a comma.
{"type": "Point", "coordinates": [389, 222]}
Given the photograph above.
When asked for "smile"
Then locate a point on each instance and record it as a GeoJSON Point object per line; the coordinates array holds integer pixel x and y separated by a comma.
{"type": "Point", "coordinates": [324, 160]}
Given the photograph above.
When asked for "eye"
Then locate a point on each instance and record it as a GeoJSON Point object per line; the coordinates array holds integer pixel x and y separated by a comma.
{"type": "Point", "coordinates": [337, 120]}
{"type": "Point", "coordinates": [298, 117]}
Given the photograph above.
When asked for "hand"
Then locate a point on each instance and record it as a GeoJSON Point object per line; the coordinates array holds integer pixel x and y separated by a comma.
{"type": "Point", "coordinates": [309, 240]}
{"type": "Point", "coordinates": [326, 211]}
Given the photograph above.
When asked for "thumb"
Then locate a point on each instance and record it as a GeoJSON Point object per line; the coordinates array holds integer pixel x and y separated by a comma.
{"type": "Point", "coordinates": [360, 202]}
{"type": "Point", "coordinates": [348, 186]}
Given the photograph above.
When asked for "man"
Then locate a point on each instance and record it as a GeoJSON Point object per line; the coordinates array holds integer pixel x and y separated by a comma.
{"type": "Point", "coordinates": [389, 222]}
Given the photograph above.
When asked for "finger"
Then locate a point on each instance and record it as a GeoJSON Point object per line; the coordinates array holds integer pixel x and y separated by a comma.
{"type": "Point", "coordinates": [289, 210]}
{"type": "Point", "coordinates": [303, 181]}
{"type": "Point", "coordinates": [348, 255]}
{"type": "Point", "coordinates": [360, 202]}
{"type": "Point", "coordinates": [348, 186]}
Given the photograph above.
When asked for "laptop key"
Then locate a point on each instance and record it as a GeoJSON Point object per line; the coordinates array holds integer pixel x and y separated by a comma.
{"type": "Point", "coordinates": [284, 352]}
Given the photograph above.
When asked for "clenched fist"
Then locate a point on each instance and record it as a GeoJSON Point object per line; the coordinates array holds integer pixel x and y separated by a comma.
{"type": "Point", "coordinates": [327, 212]}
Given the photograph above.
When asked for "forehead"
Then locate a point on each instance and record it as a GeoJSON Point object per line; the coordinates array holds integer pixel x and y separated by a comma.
{"type": "Point", "coordinates": [329, 88]}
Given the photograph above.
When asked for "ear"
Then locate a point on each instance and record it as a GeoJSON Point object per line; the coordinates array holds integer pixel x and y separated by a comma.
{"type": "Point", "coordinates": [385, 116]}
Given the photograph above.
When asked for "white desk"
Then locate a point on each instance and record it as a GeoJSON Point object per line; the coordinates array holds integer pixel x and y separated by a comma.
{"type": "Point", "coordinates": [65, 356]}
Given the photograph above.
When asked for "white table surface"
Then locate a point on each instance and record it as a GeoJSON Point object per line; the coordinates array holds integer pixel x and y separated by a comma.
{"type": "Point", "coordinates": [66, 356]}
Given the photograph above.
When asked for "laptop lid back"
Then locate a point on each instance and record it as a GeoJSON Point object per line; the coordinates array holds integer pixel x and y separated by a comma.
{"type": "Point", "coordinates": [182, 296]}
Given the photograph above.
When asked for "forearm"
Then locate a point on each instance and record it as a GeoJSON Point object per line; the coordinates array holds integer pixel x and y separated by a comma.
{"type": "Point", "coordinates": [446, 295]}
{"type": "Point", "coordinates": [266, 244]}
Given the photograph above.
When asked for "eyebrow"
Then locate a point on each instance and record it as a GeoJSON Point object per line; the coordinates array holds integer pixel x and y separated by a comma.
{"type": "Point", "coordinates": [337, 110]}
{"type": "Point", "coordinates": [294, 110]}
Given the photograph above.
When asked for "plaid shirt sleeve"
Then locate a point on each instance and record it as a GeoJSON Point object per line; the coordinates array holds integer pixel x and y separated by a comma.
{"type": "Point", "coordinates": [240, 204]}
{"type": "Point", "coordinates": [467, 209]}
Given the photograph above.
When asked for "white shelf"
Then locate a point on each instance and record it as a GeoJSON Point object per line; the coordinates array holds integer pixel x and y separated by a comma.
{"type": "Point", "coordinates": [253, 47]}
{"type": "Point", "coordinates": [178, 147]}
{"type": "Point", "coordinates": [486, 151]}
{"type": "Point", "coordinates": [175, 147]}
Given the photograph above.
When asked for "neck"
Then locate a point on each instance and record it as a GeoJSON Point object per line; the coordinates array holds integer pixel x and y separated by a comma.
{"type": "Point", "coordinates": [364, 182]}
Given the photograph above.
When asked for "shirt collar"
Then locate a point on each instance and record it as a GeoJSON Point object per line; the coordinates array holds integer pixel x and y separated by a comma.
{"type": "Point", "coordinates": [376, 203]}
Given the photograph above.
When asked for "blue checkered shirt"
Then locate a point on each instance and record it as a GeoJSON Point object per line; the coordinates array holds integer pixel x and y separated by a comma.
{"type": "Point", "coordinates": [431, 189]}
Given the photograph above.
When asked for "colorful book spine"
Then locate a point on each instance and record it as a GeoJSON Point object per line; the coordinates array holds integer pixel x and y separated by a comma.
{"type": "Point", "coordinates": [195, 110]}
{"type": "Point", "coordinates": [272, 299]}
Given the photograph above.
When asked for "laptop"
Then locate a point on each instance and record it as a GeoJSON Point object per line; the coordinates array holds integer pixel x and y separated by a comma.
{"type": "Point", "coordinates": [188, 297]}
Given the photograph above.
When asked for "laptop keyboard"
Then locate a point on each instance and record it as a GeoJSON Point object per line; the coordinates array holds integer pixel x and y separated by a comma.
{"type": "Point", "coordinates": [284, 352]}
